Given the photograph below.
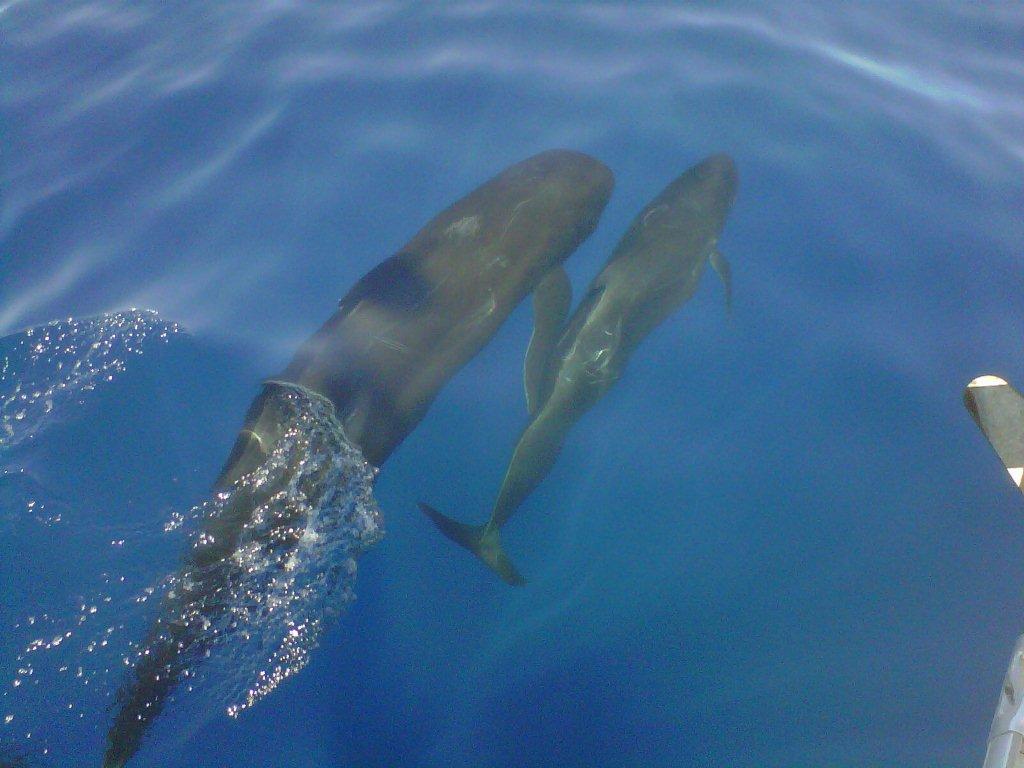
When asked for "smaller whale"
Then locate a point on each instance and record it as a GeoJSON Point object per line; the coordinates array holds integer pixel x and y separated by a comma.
{"type": "Point", "coordinates": [998, 410]}
{"type": "Point", "coordinates": [653, 271]}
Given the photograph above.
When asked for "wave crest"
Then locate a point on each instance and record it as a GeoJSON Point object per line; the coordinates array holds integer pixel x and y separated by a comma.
{"type": "Point", "coordinates": [52, 365]}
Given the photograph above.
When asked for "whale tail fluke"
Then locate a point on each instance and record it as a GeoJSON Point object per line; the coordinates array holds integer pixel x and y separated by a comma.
{"type": "Point", "coordinates": [481, 540]}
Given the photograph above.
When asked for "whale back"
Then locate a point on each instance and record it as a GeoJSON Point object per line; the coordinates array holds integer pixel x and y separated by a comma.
{"type": "Point", "coordinates": [407, 326]}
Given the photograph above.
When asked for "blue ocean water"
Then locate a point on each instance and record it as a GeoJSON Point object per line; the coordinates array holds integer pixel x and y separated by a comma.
{"type": "Point", "coordinates": [779, 540]}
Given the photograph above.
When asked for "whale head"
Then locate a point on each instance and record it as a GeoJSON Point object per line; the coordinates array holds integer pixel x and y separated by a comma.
{"type": "Point", "coordinates": [715, 179]}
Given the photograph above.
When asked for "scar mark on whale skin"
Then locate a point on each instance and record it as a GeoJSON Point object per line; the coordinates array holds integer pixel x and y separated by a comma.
{"type": "Point", "coordinates": [515, 212]}
{"type": "Point", "coordinates": [393, 344]}
{"type": "Point", "coordinates": [468, 226]}
{"type": "Point", "coordinates": [653, 212]}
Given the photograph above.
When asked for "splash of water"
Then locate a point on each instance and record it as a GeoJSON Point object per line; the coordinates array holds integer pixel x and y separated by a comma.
{"type": "Point", "coordinates": [55, 657]}
{"type": "Point", "coordinates": [45, 369]}
{"type": "Point", "coordinates": [257, 613]}
{"type": "Point", "coordinates": [253, 616]}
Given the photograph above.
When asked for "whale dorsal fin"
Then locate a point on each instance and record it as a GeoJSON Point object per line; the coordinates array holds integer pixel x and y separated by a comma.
{"type": "Point", "coordinates": [247, 454]}
{"type": "Point", "coordinates": [551, 302]}
{"type": "Point", "coordinates": [998, 410]}
{"type": "Point", "coordinates": [721, 265]}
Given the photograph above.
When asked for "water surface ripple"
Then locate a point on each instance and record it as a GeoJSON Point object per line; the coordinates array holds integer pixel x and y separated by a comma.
{"type": "Point", "coordinates": [780, 536]}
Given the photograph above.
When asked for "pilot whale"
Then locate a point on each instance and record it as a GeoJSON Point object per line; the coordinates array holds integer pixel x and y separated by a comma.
{"type": "Point", "coordinates": [396, 338]}
{"type": "Point", "coordinates": [654, 269]}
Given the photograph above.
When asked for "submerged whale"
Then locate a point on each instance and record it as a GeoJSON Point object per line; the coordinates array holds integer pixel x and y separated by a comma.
{"type": "Point", "coordinates": [402, 331]}
{"type": "Point", "coordinates": [654, 269]}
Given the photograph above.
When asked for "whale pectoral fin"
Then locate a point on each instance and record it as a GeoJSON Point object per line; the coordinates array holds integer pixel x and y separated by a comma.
{"type": "Point", "coordinates": [247, 454]}
{"type": "Point", "coordinates": [721, 265]}
{"type": "Point", "coordinates": [998, 410]}
{"type": "Point", "coordinates": [551, 302]}
{"type": "Point", "coordinates": [481, 540]}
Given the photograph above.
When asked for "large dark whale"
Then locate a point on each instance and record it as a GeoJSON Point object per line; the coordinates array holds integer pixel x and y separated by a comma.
{"type": "Point", "coordinates": [654, 269]}
{"type": "Point", "coordinates": [401, 332]}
